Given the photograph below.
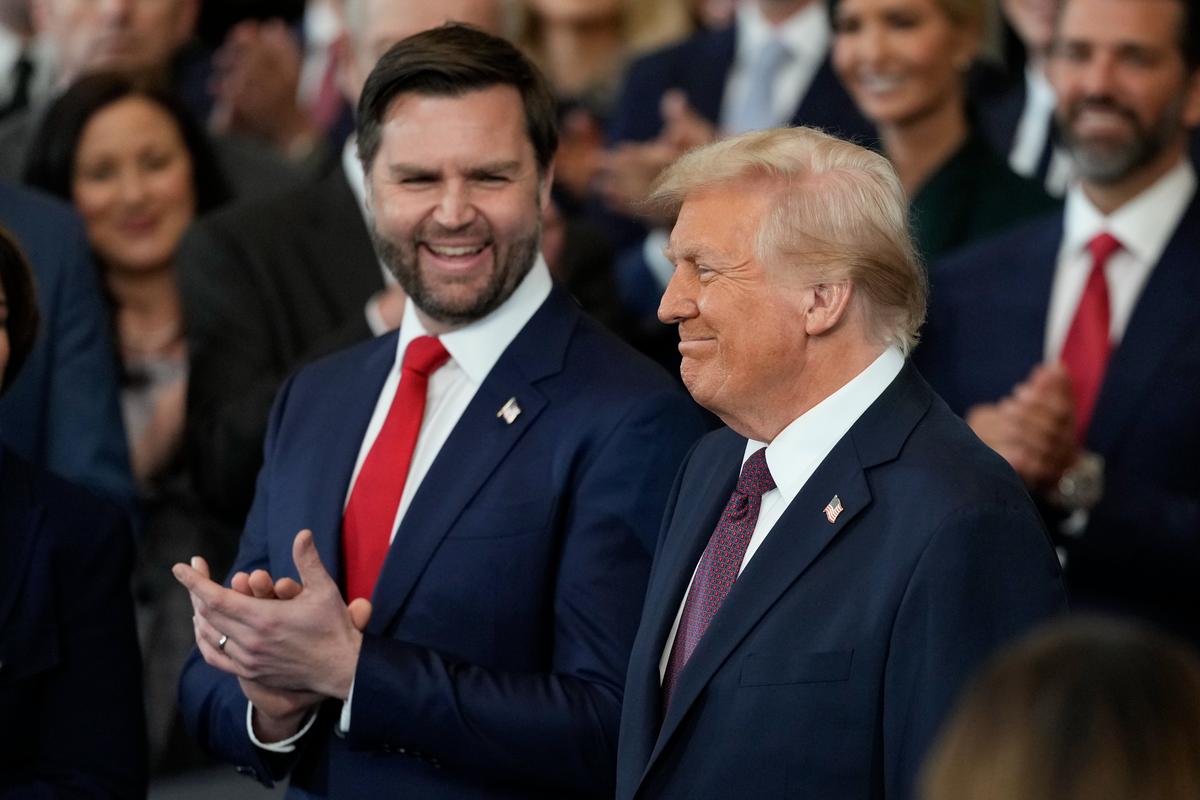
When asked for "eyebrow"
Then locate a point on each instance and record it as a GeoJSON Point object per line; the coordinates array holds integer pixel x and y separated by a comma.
{"type": "Point", "coordinates": [404, 170]}
{"type": "Point", "coordinates": [691, 252]}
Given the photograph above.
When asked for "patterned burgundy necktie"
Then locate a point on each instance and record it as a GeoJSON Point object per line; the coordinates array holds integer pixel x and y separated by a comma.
{"type": "Point", "coordinates": [719, 566]}
{"type": "Point", "coordinates": [1087, 347]}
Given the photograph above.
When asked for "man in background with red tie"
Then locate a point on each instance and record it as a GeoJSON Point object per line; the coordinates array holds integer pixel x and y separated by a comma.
{"type": "Point", "coordinates": [477, 495]}
{"type": "Point", "coordinates": [834, 563]}
{"type": "Point", "coordinates": [1071, 345]}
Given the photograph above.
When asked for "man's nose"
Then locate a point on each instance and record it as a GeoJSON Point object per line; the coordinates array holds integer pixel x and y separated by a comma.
{"type": "Point", "coordinates": [679, 300]}
{"type": "Point", "coordinates": [455, 209]}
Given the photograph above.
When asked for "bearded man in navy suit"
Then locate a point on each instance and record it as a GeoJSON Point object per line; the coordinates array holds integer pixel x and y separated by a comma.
{"type": "Point", "coordinates": [1070, 344]}
{"type": "Point", "coordinates": [836, 561]}
{"type": "Point", "coordinates": [480, 490]}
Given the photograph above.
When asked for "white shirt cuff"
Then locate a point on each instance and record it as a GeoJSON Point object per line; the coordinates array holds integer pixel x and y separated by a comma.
{"type": "Point", "coordinates": [657, 262]}
{"type": "Point", "coordinates": [343, 726]}
{"type": "Point", "coordinates": [288, 744]}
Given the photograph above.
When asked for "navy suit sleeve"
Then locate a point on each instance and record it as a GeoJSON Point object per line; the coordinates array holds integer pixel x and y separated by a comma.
{"type": "Point", "coordinates": [987, 575]}
{"type": "Point", "coordinates": [85, 437]}
{"type": "Point", "coordinates": [63, 412]}
{"type": "Point", "coordinates": [557, 728]}
{"type": "Point", "coordinates": [88, 725]}
{"type": "Point", "coordinates": [212, 703]}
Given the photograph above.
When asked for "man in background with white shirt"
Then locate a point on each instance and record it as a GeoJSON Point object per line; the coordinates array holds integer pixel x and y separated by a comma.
{"type": "Point", "coordinates": [836, 561]}
{"type": "Point", "coordinates": [489, 478]}
{"type": "Point", "coordinates": [1070, 344]}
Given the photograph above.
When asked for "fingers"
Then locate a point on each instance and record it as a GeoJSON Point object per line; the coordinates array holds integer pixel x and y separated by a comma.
{"type": "Point", "coordinates": [207, 642]}
{"type": "Point", "coordinates": [308, 561]}
{"type": "Point", "coordinates": [287, 589]}
{"type": "Point", "coordinates": [360, 612]}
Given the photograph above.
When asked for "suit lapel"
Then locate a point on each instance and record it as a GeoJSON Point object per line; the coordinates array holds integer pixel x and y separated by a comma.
{"type": "Point", "coordinates": [325, 496]}
{"type": "Point", "coordinates": [1164, 313]}
{"type": "Point", "coordinates": [799, 537]}
{"type": "Point", "coordinates": [478, 444]}
{"type": "Point", "coordinates": [695, 518]}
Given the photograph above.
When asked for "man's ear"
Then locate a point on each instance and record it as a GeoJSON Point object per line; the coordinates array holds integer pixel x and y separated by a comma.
{"type": "Point", "coordinates": [829, 303]}
{"type": "Point", "coordinates": [1191, 101]}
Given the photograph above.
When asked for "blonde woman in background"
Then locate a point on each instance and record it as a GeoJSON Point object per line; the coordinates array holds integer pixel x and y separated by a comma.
{"type": "Point", "coordinates": [1081, 710]}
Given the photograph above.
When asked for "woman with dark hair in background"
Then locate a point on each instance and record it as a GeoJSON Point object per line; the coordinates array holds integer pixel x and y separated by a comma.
{"type": "Point", "coordinates": [905, 63]}
{"type": "Point", "coordinates": [138, 169]}
{"type": "Point", "coordinates": [1080, 710]}
{"type": "Point", "coordinates": [70, 690]}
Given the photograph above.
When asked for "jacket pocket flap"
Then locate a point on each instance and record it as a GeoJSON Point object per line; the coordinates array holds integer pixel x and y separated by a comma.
{"type": "Point", "coordinates": [771, 669]}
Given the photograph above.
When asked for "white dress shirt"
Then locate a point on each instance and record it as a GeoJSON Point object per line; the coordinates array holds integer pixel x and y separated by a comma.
{"type": "Point", "coordinates": [794, 455]}
{"type": "Point", "coordinates": [806, 36]}
{"type": "Point", "coordinates": [1143, 226]}
{"type": "Point", "coordinates": [474, 350]}
{"type": "Point", "coordinates": [41, 82]}
{"type": "Point", "coordinates": [1033, 135]}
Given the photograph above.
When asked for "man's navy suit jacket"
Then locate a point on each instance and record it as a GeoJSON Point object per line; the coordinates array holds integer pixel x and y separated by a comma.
{"type": "Point", "coordinates": [841, 646]}
{"type": "Point", "coordinates": [495, 657]}
{"type": "Point", "coordinates": [1140, 551]}
{"type": "Point", "coordinates": [62, 412]}
{"type": "Point", "coordinates": [70, 674]}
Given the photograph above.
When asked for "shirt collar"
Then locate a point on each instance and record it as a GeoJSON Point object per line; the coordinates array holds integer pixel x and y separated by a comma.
{"type": "Point", "coordinates": [477, 346]}
{"type": "Point", "coordinates": [805, 34]}
{"type": "Point", "coordinates": [811, 436]}
{"type": "Point", "coordinates": [1143, 226]}
{"type": "Point", "coordinates": [1038, 90]}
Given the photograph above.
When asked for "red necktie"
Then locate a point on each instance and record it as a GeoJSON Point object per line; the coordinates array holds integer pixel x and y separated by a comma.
{"type": "Point", "coordinates": [719, 566]}
{"type": "Point", "coordinates": [371, 512]}
{"type": "Point", "coordinates": [1086, 350]}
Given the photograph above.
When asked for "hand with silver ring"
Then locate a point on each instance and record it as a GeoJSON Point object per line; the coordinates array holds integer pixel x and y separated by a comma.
{"type": "Point", "coordinates": [224, 640]}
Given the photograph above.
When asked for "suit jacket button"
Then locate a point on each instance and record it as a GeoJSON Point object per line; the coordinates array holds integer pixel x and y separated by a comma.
{"type": "Point", "coordinates": [242, 769]}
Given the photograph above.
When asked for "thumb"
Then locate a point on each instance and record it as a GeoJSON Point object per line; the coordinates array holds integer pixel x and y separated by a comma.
{"type": "Point", "coordinates": [308, 561]}
{"type": "Point", "coordinates": [360, 612]}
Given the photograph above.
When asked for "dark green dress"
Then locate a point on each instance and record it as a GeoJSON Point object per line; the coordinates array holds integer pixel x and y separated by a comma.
{"type": "Point", "coordinates": [973, 195]}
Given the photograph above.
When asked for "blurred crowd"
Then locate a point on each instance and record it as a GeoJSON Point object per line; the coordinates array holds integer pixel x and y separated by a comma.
{"type": "Point", "coordinates": [183, 182]}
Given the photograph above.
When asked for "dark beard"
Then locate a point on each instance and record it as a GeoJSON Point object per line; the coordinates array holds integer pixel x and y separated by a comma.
{"type": "Point", "coordinates": [1104, 164]}
{"type": "Point", "coordinates": [403, 264]}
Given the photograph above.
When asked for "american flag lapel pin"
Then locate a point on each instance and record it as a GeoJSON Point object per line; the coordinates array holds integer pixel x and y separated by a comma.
{"type": "Point", "coordinates": [833, 509]}
{"type": "Point", "coordinates": [509, 411]}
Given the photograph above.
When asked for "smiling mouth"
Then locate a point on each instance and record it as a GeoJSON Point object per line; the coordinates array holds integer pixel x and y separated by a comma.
{"type": "Point", "coordinates": [455, 251]}
{"type": "Point", "coordinates": [878, 84]}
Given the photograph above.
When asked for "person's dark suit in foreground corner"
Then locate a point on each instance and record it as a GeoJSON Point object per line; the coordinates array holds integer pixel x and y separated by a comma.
{"type": "Point", "coordinates": [836, 562]}
{"type": "Point", "coordinates": [70, 676]}
{"type": "Point", "coordinates": [1069, 345]}
{"type": "Point", "coordinates": [481, 652]}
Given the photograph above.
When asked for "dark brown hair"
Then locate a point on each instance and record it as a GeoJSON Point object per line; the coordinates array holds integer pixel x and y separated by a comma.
{"type": "Point", "coordinates": [449, 62]}
{"type": "Point", "coordinates": [16, 278]}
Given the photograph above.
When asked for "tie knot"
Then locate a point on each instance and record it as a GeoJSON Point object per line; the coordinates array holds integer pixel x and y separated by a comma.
{"type": "Point", "coordinates": [424, 355]}
{"type": "Point", "coordinates": [756, 477]}
{"type": "Point", "coordinates": [1102, 246]}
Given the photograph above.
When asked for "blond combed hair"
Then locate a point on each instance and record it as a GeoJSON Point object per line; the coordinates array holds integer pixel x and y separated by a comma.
{"type": "Point", "coordinates": [838, 213]}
